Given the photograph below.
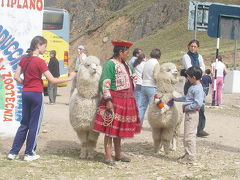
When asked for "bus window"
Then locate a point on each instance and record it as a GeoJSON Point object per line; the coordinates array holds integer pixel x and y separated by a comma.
{"type": "Point", "coordinates": [52, 21]}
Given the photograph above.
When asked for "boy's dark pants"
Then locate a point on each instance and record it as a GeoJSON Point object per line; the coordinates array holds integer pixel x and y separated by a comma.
{"type": "Point", "coordinates": [202, 120]}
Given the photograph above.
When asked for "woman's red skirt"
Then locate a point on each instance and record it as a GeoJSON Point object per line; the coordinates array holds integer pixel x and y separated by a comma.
{"type": "Point", "coordinates": [125, 122]}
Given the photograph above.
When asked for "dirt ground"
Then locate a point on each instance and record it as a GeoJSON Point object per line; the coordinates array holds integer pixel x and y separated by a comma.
{"type": "Point", "coordinates": [218, 154]}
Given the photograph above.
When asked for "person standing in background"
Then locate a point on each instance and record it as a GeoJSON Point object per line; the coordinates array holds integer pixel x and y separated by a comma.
{"type": "Point", "coordinates": [53, 67]}
{"type": "Point", "coordinates": [138, 66]}
{"type": "Point", "coordinates": [81, 57]}
{"type": "Point", "coordinates": [206, 81]}
{"type": "Point", "coordinates": [79, 61]}
{"type": "Point", "coordinates": [136, 53]}
{"type": "Point", "coordinates": [193, 58]}
{"type": "Point", "coordinates": [221, 72]}
{"type": "Point", "coordinates": [148, 89]}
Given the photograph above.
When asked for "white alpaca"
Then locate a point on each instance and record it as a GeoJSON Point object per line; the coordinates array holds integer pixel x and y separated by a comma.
{"type": "Point", "coordinates": [83, 105]}
{"type": "Point", "coordinates": [165, 121]}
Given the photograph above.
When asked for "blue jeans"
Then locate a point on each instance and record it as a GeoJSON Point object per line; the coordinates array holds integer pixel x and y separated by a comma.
{"type": "Point", "coordinates": [138, 95]}
{"type": "Point", "coordinates": [147, 95]}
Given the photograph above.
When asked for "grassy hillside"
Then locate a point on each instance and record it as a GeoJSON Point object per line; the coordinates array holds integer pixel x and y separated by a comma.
{"type": "Point", "coordinates": [173, 40]}
{"type": "Point", "coordinates": [135, 8]}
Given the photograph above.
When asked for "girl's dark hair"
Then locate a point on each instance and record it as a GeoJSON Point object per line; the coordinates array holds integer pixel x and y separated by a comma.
{"type": "Point", "coordinates": [35, 41]}
{"type": "Point", "coordinates": [117, 49]}
{"type": "Point", "coordinates": [139, 60]}
{"type": "Point", "coordinates": [136, 51]}
{"type": "Point", "coordinates": [194, 71]}
{"type": "Point", "coordinates": [194, 41]}
{"type": "Point", "coordinates": [156, 53]}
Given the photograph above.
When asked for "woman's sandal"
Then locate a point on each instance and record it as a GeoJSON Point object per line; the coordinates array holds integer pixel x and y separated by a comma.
{"type": "Point", "coordinates": [109, 162]}
{"type": "Point", "coordinates": [123, 159]}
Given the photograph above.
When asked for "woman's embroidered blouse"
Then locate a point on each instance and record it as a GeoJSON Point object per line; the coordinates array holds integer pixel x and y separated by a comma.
{"type": "Point", "coordinates": [114, 77]}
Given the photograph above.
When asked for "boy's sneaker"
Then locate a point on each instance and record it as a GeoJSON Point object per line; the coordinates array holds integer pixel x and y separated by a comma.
{"type": "Point", "coordinates": [31, 157]}
{"type": "Point", "coordinates": [12, 156]}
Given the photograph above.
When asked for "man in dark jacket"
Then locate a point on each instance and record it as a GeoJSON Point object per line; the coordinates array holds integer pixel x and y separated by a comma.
{"type": "Point", "coordinates": [53, 67]}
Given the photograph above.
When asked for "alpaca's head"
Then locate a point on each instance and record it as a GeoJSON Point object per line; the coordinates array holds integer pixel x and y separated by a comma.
{"type": "Point", "coordinates": [167, 77]}
{"type": "Point", "coordinates": [90, 69]}
{"type": "Point", "coordinates": [171, 71]}
{"type": "Point", "coordinates": [92, 64]}
{"type": "Point", "coordinates": [88, 77]}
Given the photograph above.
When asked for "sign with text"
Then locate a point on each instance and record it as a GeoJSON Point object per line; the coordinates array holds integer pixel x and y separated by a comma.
{"type": "Point", "coordinates": [198, 15]}
{"type": "Point", "coordinates": [21, 20]}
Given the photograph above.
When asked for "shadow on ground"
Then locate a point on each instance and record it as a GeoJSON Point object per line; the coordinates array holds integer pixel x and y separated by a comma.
{"type": "Point", "coordinates": [146, 149]}
{"type": "Point", "coordinates": [72, 149]}
{"type": "Point", "coordinates": [68, 149]}
{"type": "Point", "coordinates": [58, 147]}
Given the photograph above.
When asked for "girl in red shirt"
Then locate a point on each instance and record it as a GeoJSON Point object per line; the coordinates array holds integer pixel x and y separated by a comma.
{"type": "Point", "coordinates": [32, 68]}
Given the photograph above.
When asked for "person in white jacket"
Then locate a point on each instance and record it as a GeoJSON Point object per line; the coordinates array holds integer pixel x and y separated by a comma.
{"type": "Point", "coordinates": [148, 89]}
{"type": "Point", "coordinates": [192, 58]}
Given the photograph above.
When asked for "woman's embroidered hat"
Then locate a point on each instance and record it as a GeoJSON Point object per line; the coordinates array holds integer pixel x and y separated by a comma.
{"type": "Point", "coordinates": [122, 43]}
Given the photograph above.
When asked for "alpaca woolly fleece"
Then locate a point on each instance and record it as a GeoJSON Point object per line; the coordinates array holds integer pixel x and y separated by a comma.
{"type": "Point", "coordinates": [165, 122]}
{"type": "Point", "coordinates": [83, 105]}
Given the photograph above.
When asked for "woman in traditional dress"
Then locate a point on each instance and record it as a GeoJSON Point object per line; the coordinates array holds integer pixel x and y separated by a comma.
{"type": "Point", "coordinates": [117, 115]}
